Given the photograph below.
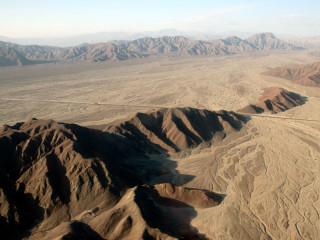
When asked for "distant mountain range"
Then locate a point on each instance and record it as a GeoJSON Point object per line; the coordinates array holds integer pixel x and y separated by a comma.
{"type": "Point", "coordinates": [14, 54]}
{"type": "Point", "coordinates": [10, 57]}
{"type": "Point", "coordinates": [101, 37]}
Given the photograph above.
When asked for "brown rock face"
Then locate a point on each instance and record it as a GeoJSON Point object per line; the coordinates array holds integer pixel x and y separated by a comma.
{"type": "Point", "coordinates": [162, 211]}
{"type": "Point", "coordinates": [307, 75]}
{"type": "Point", "coordinates": [63, 181]}
{"type": "Point", "coordinates": [175, 129]}
{"type": "Point", "coordinates": [274, 100]}
{"type": "Point", "coordinates": [175, 205]}
{"type": "Point", "coordinates": [50, 172]}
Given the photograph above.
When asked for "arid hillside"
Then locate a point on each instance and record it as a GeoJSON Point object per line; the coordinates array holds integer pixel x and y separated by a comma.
{"type": "Point", "coordinates": [274, 100]}
{"type": "Point", "coordinates": [52, 171]}
{"type": "Point", "coordinates": [64, 180]}
{"type": "Point", "coordinates": [307, 75]}
{"type": "Point", "coordinates": [11, 57]}
{"type": "Point", "coordinates": [176, 129]}
{"type": "Point", "coordinates": [141, 150]}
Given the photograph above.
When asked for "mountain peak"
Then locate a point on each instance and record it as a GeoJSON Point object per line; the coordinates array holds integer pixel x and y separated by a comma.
{"type": "Point", "coordinates": [266, 35]}
{"type": "Point", "coordinates": [268, 42]}
{"type": "Point", "coordinates": [146, 47]}
{"type": "Point", "coordinates": [175, 129]}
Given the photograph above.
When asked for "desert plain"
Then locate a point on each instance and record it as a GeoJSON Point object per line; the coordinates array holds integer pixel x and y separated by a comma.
{"type": "Point", "coordinates": [268, 172]}
{"type": "Point", "coordinates": [98, 93]}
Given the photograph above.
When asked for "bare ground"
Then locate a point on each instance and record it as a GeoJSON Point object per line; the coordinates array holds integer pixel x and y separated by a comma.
{"type": "Point", "coordinates": [269, 171]}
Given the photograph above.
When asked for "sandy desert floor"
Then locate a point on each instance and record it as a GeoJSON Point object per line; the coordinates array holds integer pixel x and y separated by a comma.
{"type": "Point", "coordinates": [70, 92]}
{"type": "Point", "coordinates": [269, 171]}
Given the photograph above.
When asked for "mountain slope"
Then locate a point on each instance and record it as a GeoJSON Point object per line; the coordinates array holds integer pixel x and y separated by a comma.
{"type": "Point", "coordinates": [91, 53]}
{"type": "Point", "coordinates": [11, 57]}
{"type": "Point", "coordinates": [307, 75]}
{"type": "Point", "coordinates": [34, 52]}
{"type": "Point", "coordinates": [274, 100]}
{"type": "Point", "coordinates": [65, 181]}
{"type": "Point", "coordinates": [175, 129]}
{"type": "Point", "coordinates": [162, 211]}
{"type": "Point", "coordinates": [269, 42]}
{"type": "Point", "coordinates": [50, 172]}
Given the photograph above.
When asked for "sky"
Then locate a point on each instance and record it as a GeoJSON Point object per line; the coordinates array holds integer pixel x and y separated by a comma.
{"type": "Point", "coordinates": [64, 18]}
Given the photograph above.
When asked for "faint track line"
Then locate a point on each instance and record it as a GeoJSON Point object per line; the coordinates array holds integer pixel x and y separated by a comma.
{"type": "Point", "coordinates": [281, 117]}
{"type": "Point", "coordinates": [78, 102]}
{"type": "Point", "coordinates": [145, 106]}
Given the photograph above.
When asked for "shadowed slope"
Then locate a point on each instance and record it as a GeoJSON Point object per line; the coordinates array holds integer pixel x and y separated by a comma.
{"type": "Point", "coordinates": [11, 57]}
{"type": "Point", "coordinates": [275, 100]}
{"type": "Point", "coordinates": [163, 211]}
{"type": "Point", "coordinates": [63, 169]}
{"type": "Point", "coordinates": [64, 181]}
{"type": "Point", "coordinates": [175, 206]}
{"type": "Point", "coordinates": [175, 129]}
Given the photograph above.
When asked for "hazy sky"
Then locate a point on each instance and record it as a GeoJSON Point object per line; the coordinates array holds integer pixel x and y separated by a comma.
{"type": "Point", "coordinates": [60, 18]}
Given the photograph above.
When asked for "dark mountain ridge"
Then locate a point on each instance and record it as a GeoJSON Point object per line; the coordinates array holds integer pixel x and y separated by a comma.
{"type": "Point", "coordinates": [64, 181]}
